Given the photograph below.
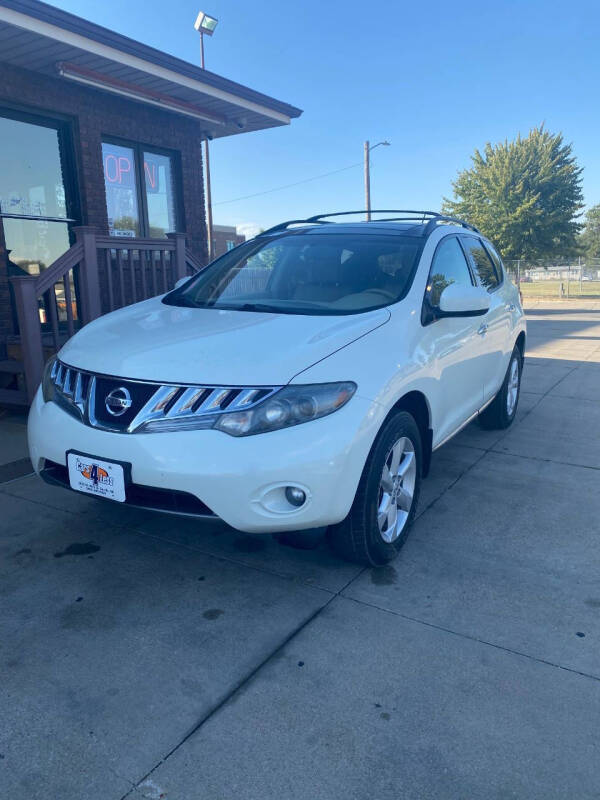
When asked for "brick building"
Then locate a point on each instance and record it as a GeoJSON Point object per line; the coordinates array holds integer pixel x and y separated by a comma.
{"type": "Point", "coordinates": [225, 238]}
{"type": "Point", "coordinates": [99, 130]}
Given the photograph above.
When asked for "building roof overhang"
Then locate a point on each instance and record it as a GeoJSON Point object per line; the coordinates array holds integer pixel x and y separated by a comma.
{"type": "Point", "coordinates": [39, 37]}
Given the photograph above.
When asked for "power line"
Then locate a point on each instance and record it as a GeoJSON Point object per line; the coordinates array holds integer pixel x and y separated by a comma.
{"type": "Point", "coordinates": [289, 185]}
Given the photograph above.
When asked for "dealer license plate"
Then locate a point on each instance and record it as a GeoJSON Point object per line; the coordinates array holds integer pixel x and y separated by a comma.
{"type": "Point", "coordinates": [100, 478]}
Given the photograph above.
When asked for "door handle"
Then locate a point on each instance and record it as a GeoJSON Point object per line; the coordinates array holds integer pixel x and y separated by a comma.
{"type": "Point", "coordinates": [482, 329]}
{"type": "Point", "coordinates": [510, 307]}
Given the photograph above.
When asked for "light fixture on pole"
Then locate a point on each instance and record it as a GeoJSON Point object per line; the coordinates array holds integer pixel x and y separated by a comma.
{"type": "Point", "coordinates": [368, 149]}
{"type": "Point", "coordinates": [205, 25]}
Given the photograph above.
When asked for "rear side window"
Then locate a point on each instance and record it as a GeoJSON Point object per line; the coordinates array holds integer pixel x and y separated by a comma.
{"type": "Point", "coordinates": [483, 265]}
{"type": "Point", "coordinates": [449, 266]}
{"type": "Point", "coordinates": [496, 259]}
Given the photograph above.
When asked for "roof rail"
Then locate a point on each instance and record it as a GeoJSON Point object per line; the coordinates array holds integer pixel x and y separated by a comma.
{"type": "Point", "coordinates": [431, 218]}
{"type": "Point", "coordinates": [283, 225]}
{"type": "Point", "coordinates": [445, 219]}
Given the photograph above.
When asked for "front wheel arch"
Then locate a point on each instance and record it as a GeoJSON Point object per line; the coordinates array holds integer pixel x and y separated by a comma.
{"type": "Point", "coordinates": [417, 405]}
{"type": "Point", "coordinates": [520, 343]}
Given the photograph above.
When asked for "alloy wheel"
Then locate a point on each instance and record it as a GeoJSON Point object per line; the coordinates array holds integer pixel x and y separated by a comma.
{"type": "Point", "coordinates": [396, 489]}
{"type": "Point", "coordinates": [512, 390]}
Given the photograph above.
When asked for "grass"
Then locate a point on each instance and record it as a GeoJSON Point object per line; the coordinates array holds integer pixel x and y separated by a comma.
{"type": "Point", "coordinates": [552, 289]}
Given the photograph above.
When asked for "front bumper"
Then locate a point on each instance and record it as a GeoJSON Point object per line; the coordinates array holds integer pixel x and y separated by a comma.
{"type": "Point", "coordinates": [240, 479]}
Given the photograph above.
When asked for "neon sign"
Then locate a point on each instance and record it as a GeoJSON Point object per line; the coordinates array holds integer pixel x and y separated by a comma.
{"type": "Point", "coordinates": [119, 171]}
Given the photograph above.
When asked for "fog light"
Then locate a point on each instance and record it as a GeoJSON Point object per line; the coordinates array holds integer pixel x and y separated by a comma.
{"type": "Point", "coordinates": [295, 496]}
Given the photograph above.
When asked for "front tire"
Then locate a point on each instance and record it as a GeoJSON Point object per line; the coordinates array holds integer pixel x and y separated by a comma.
{"type": "Point", "coordinates": [502, 410]}
{"type": "Point", "coordinates": [387, 496]}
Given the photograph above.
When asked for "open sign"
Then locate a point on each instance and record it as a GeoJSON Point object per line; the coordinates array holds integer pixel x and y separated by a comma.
{"type": "Point", "coordinates": [119, 170]}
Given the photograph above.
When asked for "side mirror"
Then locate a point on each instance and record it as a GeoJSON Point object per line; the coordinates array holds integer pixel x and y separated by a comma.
{"type": "Point", "coordinates": [181, 281]}
{"type": "Point", "coordinates": [463, 301]}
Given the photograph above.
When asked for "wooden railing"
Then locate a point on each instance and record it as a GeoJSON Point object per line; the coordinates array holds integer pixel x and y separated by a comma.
{"type": "Point", "coordinates": [96, 275]}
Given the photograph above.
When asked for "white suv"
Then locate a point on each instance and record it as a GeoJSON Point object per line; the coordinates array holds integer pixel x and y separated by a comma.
{"type": "Point", "coordinates": [300, 381]}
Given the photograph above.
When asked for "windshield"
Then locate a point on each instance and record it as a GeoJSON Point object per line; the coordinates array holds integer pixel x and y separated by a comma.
{"type": "Point", "coordinates": [306, 274]}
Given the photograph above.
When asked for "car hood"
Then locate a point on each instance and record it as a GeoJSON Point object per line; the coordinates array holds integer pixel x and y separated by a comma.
{"type": "Point", "coordinates": [164, 343]}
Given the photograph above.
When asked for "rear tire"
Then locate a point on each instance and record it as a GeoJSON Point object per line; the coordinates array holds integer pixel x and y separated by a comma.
{"type": "Point", "coordinates": [502, 410]}
{"type": "Point", "coordinates": [387, 496]}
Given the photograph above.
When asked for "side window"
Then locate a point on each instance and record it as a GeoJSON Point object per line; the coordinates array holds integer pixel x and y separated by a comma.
{"type": "Point", "coordinates": [449, 266]}
{"type": "Point", "coordinates": [497, 261]}
{"type": "Point", "coordinates": [482, 263]}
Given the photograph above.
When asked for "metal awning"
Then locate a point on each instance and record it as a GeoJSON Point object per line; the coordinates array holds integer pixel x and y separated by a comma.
{"type": "Point", "coordinates": [39, 37]}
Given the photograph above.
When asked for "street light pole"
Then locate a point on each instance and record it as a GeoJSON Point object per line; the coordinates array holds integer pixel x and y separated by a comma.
{"type": "Point", "coordinates": [367, 151]}
{"type": "Point", "coordinates": [205, 24]}
{"type": "Point", "coordinates": [207, 192]}
{"type": "Point", "coordinates": [367, 182]}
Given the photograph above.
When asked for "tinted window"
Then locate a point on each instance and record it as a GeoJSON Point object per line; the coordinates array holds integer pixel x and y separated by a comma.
{"type": "Point", "coordinates": [482, 263]}
{"type": "Point", "coordinates": [449, 266]}
{"type": "Point", "coordinates": [306, 273]}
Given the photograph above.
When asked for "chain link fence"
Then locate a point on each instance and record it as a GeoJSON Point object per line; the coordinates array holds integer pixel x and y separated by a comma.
{"type": "Point", "coordinates": [560, 278]}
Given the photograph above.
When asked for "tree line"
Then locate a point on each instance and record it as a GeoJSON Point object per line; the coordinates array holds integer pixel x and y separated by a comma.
{"type": "Point", "coordinates": [526, 196]}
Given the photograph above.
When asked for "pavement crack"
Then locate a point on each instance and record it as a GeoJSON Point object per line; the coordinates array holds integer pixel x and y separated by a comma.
{"type": "Point", "coordinates": [471, 638]}
{"type": "Point", "coordinates": [240, 685]}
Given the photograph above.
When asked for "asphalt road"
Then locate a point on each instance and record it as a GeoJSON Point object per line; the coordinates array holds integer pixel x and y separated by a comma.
{"type": "Point", "coordinates": [142, 656]}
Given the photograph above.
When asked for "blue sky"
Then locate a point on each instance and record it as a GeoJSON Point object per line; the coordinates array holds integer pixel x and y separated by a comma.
{"type": "Point", "coordinates": [435, 79]}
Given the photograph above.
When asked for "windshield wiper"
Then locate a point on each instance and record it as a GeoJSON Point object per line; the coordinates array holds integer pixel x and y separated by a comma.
{"type": "Point", "coordinates": [179, 300]}
{"type": "Point", "coordinates": [259, 307]}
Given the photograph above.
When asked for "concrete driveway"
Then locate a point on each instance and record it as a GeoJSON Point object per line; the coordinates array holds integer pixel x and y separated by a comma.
{"type": "Point", "coordinates": [143, 656]}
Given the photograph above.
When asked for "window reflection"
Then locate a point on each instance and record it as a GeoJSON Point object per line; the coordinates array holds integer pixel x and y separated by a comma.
{"type": "Point", "coordinates": [33, 244]}
{"type": "Point", "coordinates": [483, 265]}
{"type": "Point", "coordinates": [120, 182]}
{"type": "Point", "coordinates": [449, 266]}
{"type": "Point", "coordinates": [160, 196]}
{"type": "Point", "coordinates": [30, 166]}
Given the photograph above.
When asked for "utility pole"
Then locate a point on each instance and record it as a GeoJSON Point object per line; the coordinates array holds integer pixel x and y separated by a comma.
{"type": "Point", "coordinates": [367, 182]}
{"type": "Point", "coordinates": [367, 151]}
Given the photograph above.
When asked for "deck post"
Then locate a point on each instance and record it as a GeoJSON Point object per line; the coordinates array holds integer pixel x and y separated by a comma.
{"type": "Point", "coordinates": [88, 273]}
{"type": "Point", "coordinates": [24, 287]}
{"type": "Point", "coordinates": [178, 256]}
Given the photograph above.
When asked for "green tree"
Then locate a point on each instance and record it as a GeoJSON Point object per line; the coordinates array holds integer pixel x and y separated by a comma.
{"type": "Point", "coordinates": [589, 241]}
{"type": "Point", "coordinates": [524, 195]}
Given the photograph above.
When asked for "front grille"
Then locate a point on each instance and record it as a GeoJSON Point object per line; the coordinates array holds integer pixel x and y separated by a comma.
{"type": "Point", "coordinates": [139, 394]}
{"type": "Point", "coordinates": [144, 406]}
{"type": "Point", "coordinates": [138, 495]}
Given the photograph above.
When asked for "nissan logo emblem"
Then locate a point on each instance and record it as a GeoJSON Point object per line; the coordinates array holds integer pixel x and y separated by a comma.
{"type": "Point", "coordinates": [118, 401]}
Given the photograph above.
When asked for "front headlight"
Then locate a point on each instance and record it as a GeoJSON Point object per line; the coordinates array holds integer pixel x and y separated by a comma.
{"type": "Point", "coordinates": [47, 382]}
{"type": "Point", "coordinates": [293, 405]}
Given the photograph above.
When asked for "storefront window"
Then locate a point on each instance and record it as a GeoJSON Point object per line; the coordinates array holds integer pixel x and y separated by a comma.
{"type": "Point", "coordinates": [33, 244]}
{"type": "Point", "coordinates": [36, 200]}
{"type": "Point", "coordinates": [160, 197]}
{"type": "Point", "coordinates": [33, 203]}
{"type": "Point", "coordinates": [120, 181]}
{"type": "Point", "coordinates": [32, 179]}
{"type": "Point", "coordinates": [140, 191]}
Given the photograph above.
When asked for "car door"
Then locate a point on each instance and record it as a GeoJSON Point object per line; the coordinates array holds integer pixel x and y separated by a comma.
{"type": "Point", "coordinates": [495, 325]}
{"type": "Point", "coordinates": [451, 344]}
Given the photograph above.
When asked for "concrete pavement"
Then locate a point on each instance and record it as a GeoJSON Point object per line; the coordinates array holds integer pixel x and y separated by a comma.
{"type": "Point", "coordinates": [143, 656]}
